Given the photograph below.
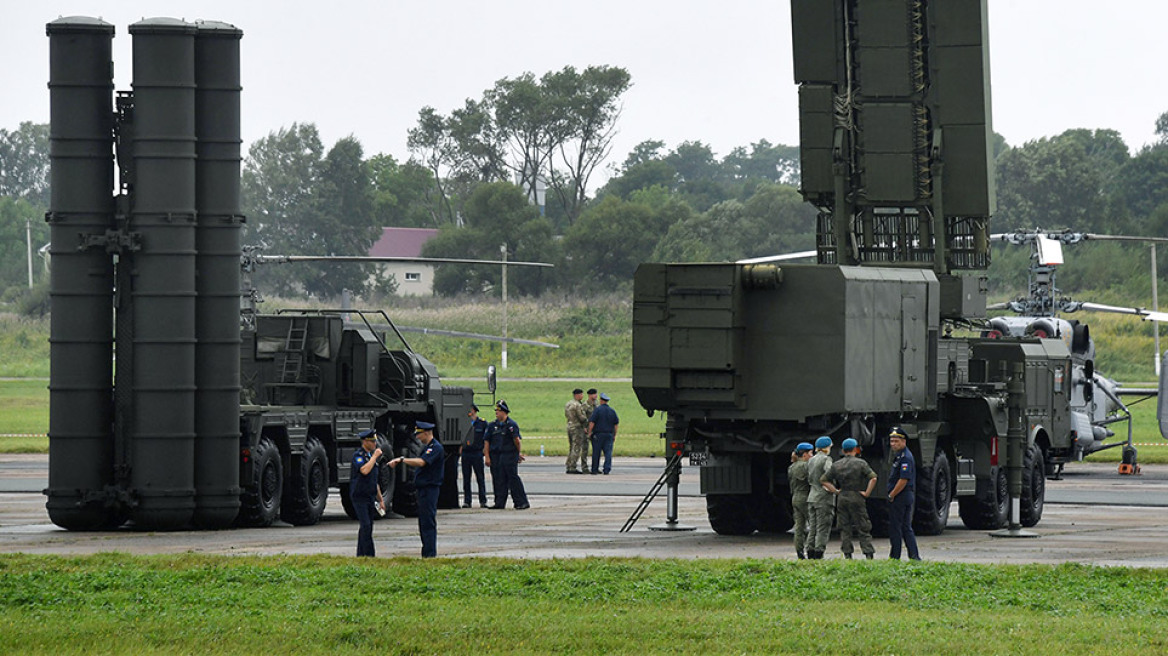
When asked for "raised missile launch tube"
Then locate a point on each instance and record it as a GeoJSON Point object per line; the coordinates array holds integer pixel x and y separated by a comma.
{"type": "Point", "coordinates": [81, 211]}
{"type": "Point", "coordinates": [217, 237]}
{"type": "Point", "coordinates": [162, 424]}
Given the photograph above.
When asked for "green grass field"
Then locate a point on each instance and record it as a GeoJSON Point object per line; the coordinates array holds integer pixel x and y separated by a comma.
{"type": "Point", "coordinates": [121, 604]}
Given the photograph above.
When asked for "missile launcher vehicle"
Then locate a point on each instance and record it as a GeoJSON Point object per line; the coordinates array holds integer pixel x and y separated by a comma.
{"type": "Point", "coordinates": [212, 417]}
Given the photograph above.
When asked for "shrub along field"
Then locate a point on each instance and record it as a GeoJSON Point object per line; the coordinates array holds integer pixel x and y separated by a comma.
{"type": "Point", "coordinates": [117, 603]}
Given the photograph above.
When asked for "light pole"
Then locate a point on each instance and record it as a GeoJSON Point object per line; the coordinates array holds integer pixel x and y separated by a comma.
{"type": "Point", "coordinates": [28, 239]}
{"type": "Point", "coordinates": [503, 250]}
{"type": "Point", "coordinates": [1155, 308]}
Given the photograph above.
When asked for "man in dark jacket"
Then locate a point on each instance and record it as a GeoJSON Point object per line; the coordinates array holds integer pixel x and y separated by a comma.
{"type": "Point", "coordinates": [427, 483]}
{"type": "Point", "coordinates": [472, 457]}
{"type": "Point", "coordinates": [364, 472]}
{"type": "Point", "coordinates": [602, 426]}
{"type": "Point", "coordinates": [902, 485]}
{"type": "Point", "coordinates": [505, 447]}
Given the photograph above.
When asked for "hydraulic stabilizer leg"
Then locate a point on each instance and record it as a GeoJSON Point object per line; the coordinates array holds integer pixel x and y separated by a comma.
{"type": "Point", "coordinates": [672, 478]}
{"type": "Point", "coordinates": [1015, 440]}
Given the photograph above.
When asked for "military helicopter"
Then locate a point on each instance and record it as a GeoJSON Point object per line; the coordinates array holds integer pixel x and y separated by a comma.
{"type": "Point", "coordinates": [1096, 399]}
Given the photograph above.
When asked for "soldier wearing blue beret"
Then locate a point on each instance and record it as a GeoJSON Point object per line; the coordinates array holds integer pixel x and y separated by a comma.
{"type": "Point", "coordinates": [852, 480]}
{"type": "Point", "coordinates": [800, 488]}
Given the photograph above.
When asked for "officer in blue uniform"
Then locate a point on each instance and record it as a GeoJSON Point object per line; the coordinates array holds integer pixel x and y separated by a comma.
{"type": "Point", "coordinates": [505, 447]}
{"type": "Point", "coordinates": [472, 457]}
{"type": "Point", "coordinates": [902, 479]}
{"type": "Point", "coordinates": [427, 483]}
{"type": "Point", "coordinates": [363, 490]}
{"type": "Point", "coordinates": [602, 427]}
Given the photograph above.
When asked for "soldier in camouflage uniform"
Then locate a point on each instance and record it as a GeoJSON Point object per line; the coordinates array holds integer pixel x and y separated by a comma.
{"type": "Point", "coordinates": [852, 480]}
{"type": "Point", "coordinates": [797, 480]}
{"type": "Point", "coordinates": [590, 403]}
{"type": "Point", "coordinates": [577, 413]}
{"type": "Point", "coordinates": [820, 502]}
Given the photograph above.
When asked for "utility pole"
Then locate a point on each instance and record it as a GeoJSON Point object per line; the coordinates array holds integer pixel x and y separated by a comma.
{"type": "Point", "coordinates": [28, 239]}
{"type": "Point", "coordinates": [1155, 308]}
{"type": "Point", "coordinates": [503, 250]}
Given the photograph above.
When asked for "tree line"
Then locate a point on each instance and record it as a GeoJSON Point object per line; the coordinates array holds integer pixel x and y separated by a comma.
{"type": "Point", "coordinates": [514, 166]}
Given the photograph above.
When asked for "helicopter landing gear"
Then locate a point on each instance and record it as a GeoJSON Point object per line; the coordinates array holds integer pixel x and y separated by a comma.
{"type": "Point", "coordinates": [1130, 466]}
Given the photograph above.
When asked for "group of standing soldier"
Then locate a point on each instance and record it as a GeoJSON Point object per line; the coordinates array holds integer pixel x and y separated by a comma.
{"type": "Point", "coordinates": [822, 490]}
{"type": "Point", "coordinates": [498, 445]}
{"type": "Point", "coordinates": [590, 423]}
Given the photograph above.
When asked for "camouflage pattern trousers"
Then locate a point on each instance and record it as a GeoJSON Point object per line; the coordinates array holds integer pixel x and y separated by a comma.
{"type": "Point", "coordinates": [853, 522]}
{"type": "Point", "coordinates": [819, 516]}
{"type": "Point", "coordinates": [577, 450]}
{"type": "Point", "coordinates": [799, 509]}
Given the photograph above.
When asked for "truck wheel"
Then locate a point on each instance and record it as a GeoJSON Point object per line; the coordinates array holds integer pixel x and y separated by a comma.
{"type": "Point", "coordinates": [729, 514]}
{"type": "Point", "coordinates": [448, 496]}
{"type": "Point", "coordinates": [989, 508]}
{"type": "Point", "coordinates": [770, 514]}
{"type": "Point", "coordinates": [307, 492]}
{"type": "Point", "coordinates": [405, 497]}
{"type": "Point", "coordinates": [934, 494]}
{"type": "Point", "coordinates": [386, 482]}
{"type": "Point", "coordinates": [1033, 486]}
{"type": "Point", "coordinates": [346, 502]}
{"type": "Point", "coordinates": [878, 515]}
{"type": "Point", "coordinates": [260, 504]}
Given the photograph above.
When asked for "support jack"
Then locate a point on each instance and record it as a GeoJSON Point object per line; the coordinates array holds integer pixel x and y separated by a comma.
{"type": "Point", "coordinates": [670, 478]}
{"type": "Point", "coordinates": [1014, 530]}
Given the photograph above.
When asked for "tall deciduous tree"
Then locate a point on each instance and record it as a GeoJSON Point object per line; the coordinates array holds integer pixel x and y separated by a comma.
{"type": "Point", "coordinates": [610, 239]}
{"type": "Point", "coordinates": [434, 147]}
{"type": "Point", "coordinates": [24, 163]}
{"type": "Point", "coordinates": [404, 194]}
{"type": "Point", "coordinates": [553, 132]}
{"type": "Point", "coordinates": [300, 203]}
{"type": "Point", "coordinates": [774, 220]}
{"type": "Point", "coordinates": [341, 221]}
{"type": "Point", "coordinates": [1053, 182]}
{"type": "Point", "coordinates": [495, 214]}
{"type": "Point", "coordinates": [17, 217]}
{"type": "Point", "coordinates": [589, 105]}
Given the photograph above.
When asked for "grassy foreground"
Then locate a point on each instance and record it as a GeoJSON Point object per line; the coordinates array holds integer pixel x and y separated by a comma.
{"type": "Point", "coordinates": [117, 603]}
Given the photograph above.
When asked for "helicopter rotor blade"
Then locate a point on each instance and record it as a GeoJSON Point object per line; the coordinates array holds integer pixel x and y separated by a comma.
{"type": "Point", "coordinates": [489, 338]}
{"type": "Point", "coordinates": [1154, 240]}
{"type": "Point", "coordinates": [266, 259]}
{"type": "Point", "coordinates": [799, 255]}
{"type": "Point", "coordinates": [1146, 315]}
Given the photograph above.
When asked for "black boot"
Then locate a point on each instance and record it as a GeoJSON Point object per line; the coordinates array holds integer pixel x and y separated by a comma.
{"type": "Point", "coordinates": [869, 556]}
{"type": "Point", "coordinates": [800, 555]}
{"type": "Point", "coordinates": [848, 556]}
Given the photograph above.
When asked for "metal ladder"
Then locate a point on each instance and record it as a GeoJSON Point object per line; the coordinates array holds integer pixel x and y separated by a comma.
{"type": "Point", "coordinates": [294, 350]}
{"type": "Point", "coordinates": [672, 468]}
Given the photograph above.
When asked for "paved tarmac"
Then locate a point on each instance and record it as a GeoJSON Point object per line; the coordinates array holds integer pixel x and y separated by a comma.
{"type": "Point", "coordinates": [1092, 516]}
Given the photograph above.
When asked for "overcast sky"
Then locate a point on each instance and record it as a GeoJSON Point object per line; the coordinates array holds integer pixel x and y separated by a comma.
{"type": "Point", "coordinates": [717, 72]}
